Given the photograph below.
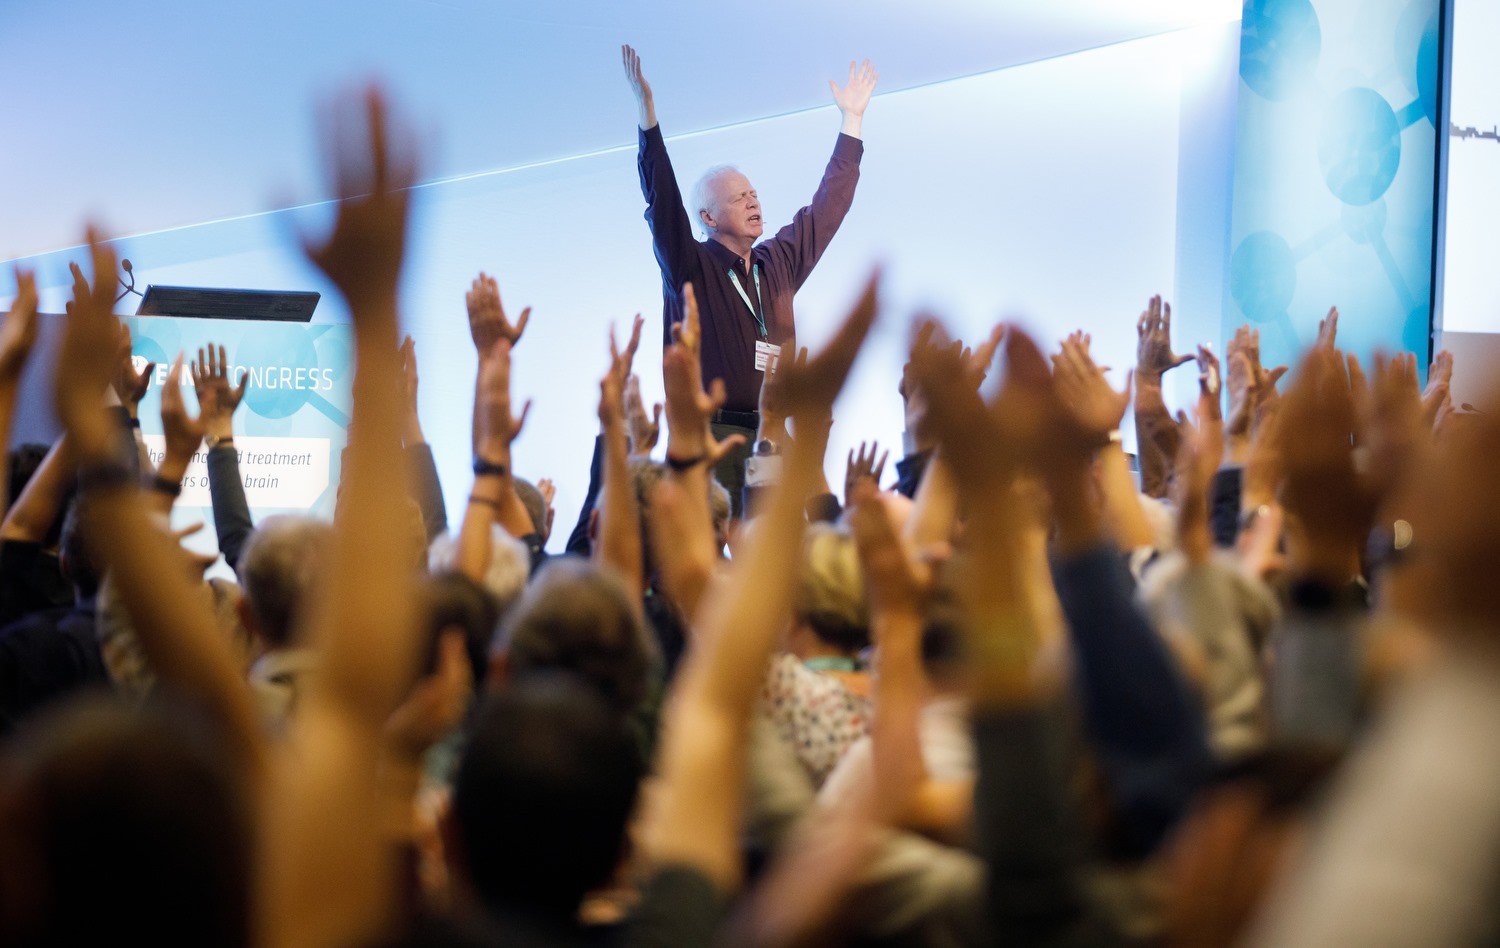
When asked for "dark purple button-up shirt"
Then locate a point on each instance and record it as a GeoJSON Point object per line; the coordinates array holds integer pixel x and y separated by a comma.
{"type": "Point", "coordinates": [730, 330]}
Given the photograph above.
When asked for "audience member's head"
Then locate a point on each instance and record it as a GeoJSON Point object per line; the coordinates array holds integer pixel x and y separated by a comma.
{"type": "Point", "coordinates": [508, 571]}
{"type": "Point", "coordinates": [278, 569]}
{"type": "Point", "coordinates": [543, 794]}
{"type": "Point", "coordinates": [123, 826]}
{"type": "Point", "coordinates": [536, 506]}
{"type": "Point", "coordinates": [455, 601]}
{"type": "Point", "coordinates": [123, 657]}
{"type": "Point", "coordinates": [718, 505]}
{"type": "Point", "coordinates": [831, 597]}
{"type": "Point", "coordinates": [577, 619]}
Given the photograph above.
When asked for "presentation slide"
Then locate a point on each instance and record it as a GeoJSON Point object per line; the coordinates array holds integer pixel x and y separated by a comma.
{"type": "Point", "coordinates": [289, 431]}
{"type": "Point", "coordinates": [1470, 283]}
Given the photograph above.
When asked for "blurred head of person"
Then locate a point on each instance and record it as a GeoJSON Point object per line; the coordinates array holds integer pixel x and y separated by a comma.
{"type": "Point", "coordinates": [578, 620]}
{"type": "Point", "coordinates": [278, 570]}
{"type": "Point", "coordinates": [125, 826]}
{"type": "Point", "coordinates": [544, 790]}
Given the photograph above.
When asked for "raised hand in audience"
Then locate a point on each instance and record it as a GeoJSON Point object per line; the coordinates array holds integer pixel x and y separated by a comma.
{"type": "Point", "coordinates": [1086, 395]}
{"type": "Point", "coordinates": [1328, 330]}
{"type": "Point", "coordinates": [1156, 435]}
{"type": "Point", "coordinates": [411, 418]}
{"type": "Point", "coordinates": [170, 612]}
{"type": "Point", "coordinates": [1329, 503]}
{"type": "Point", "coordinates": [897, 599]}
{"type": "Point", "coordinates": [1252, 387]}
{"type": "Point", "coordinates": [497, 427]}
{"type": "Point", "coordinates": [17, 336]}
{"type": "Point", "coordinates": [19, 331]}
{"type": "Point", "coordinates": [487, 320]}
{"type": "Point", "coordinates": [1153, 354]}
{"type": "Point", "coordinates": [183, 434]}
{"type": "Point", "coordinates": [1438, 395]}
{"type": "Point", "coordinates": [695, 820]}
{"type": "Point", "coordinates": [548, 490]}
{"type": "Point", "coordinates": [984, 448]}
{"type": "Point", "coordinates": [863, 468]}
{"type": "Point", "coordinates": [1197, 461]}
{"type": "Point", "coordinates": [89, 360]}
{"type": "Point", "coordinates": [493, 498]}
{"type": "Point", "coordinates": [619, 545]}
{"type": "Point", "coordinates": [1391, 418]}
{"type": "Point", "coordinates": [1094, 406]}
{"type": "Point", "coordinates": [689, 407]}
{"type": "Point", "coordinates": [130, 384]}
{"type": "Point", "coordinates": [645, 430]}
{"type": "Point", "coordinates": [364, 629]}
{"type": "Point", "coordinates": [218, 398]}
{"type": "Point", "coordinates": [363, 254]}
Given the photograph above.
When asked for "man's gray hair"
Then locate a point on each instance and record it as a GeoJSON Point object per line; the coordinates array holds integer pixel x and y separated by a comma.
{"type": "Point", "coordinates": [703, 195]}
{"type": "Point", "coordinates": [281, 564]}
{"type": "Point", "coordinates": [509, 569]}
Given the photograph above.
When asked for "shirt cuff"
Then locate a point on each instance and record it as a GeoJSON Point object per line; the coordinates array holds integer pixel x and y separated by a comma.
{"type": "Point", "coordinates": [848, 147]}
{"type": "Point", "coordinates": [650, 136]}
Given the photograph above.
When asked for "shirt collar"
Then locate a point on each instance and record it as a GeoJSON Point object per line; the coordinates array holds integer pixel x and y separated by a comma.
{"type": "Point", "coordinates": [726, 257]}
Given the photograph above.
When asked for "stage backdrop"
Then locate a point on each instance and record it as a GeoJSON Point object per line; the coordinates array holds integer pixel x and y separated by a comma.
{"type": "Point", "coordinates": [1333, 189]}
{"type": "Point", "coordinates": [290, 429]}
{"type": "Point", "coordinates": [1062, 192]}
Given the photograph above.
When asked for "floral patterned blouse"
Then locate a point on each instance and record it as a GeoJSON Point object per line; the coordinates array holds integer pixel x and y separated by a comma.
{"type": "Point", "coordinates": [816, 714]}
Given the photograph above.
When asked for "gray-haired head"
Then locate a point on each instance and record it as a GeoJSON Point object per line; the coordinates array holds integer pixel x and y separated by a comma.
{"type": "Point", "coordinates": [278, 570]}
{"type": "Point", "coordinates": [705, 196]}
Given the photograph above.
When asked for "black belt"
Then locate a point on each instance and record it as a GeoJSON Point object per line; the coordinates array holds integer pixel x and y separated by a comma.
{"type": "Point", "coordinates": [739, 419]}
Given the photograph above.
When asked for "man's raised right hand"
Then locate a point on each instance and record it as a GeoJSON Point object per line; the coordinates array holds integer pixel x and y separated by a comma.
{"type": "Point", "coordinates": [639, 86]}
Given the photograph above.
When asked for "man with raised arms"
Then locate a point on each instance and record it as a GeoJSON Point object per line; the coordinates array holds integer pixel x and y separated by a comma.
{"type": "Point", "coordinates": [744, 285]}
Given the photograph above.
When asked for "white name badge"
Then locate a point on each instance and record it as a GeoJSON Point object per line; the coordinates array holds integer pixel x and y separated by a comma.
{"type": "Point", "coordinates": [765, 354]}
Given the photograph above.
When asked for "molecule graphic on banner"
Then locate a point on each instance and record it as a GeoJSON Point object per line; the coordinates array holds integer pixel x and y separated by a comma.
{"type": "Point", "coordinates": [1357, 139]}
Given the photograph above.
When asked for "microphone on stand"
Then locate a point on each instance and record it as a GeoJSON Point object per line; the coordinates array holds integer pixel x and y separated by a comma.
{"type": "Point", "coordinates": [129, 287]}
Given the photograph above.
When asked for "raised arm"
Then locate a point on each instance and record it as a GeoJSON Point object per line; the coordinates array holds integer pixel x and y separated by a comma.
{"type": "Point", "coordinates": [897, 593]}
{"type": "Point", "coordinates": [170, 610]}
{"type": "Point", "coordinates": [1088, 397]}
{"type": "Point", "coordinates": [1026, 826]}
{"type": "Point", "coordinates": [639, 87]}
{"type": "Point", "coordinates": [493, 498]}
{"type": "Point", "coordinates": [41, 503]}
{"type": "Point", "coordinates": [129, 387]}
{"type": "Point", "coordinates": [421, 466]}
{"type": "Point", "coordinates": [217, 401]}
{"type": "Point", "coordinates": [620, 520]}
{"type": "Point", "coordinates": [17, 336]}
{"type": "Point", "coordinates": [671, 223]}
{"type": "Point", "coordinates": [364, 631]}
{"type": "Point", "coordinates": [799, 245]}
{"type": "Point", "coordinates": [696, 823]}
{"type": "Point", "coordinates": [1155, 431]}
{"type": "Point", "coordinates": [183, 434]}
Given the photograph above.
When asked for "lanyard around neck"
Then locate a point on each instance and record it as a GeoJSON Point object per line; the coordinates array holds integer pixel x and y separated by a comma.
{"type": "Point", "coordinates": [824, 663]}
{"type": "Point", "coordinates": [760, 320]}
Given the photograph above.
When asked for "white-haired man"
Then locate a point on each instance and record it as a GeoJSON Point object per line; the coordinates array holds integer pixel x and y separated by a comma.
{"type": "Point", "coordinates": [744, 285]}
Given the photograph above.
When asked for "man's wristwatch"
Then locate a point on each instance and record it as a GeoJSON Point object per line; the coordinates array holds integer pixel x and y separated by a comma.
{"type": "Point", "coordinates": [214, 441]}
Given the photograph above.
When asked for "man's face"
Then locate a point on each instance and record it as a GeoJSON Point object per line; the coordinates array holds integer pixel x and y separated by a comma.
{"type": "Point", "coordinates": [736, 210]}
